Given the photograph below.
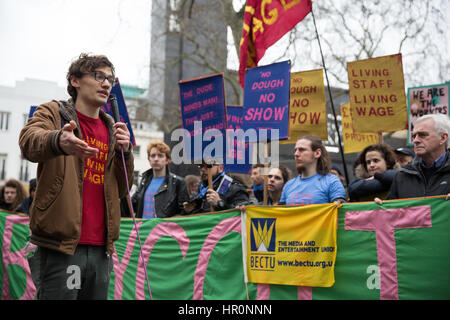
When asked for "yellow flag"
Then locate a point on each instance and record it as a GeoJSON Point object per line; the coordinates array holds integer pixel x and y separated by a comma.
{"type": "Point", "coordinates": [377, 94]}
{"type": "Point", "coordinates": [354, 142]}
{"type": "Point", "coordinates": [307, 106]}
{"type": "Point", "coordinates": [291, 245]}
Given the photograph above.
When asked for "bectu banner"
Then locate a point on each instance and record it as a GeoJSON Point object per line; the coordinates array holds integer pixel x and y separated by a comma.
{"type": "Point", "coordinates": [394, 251]}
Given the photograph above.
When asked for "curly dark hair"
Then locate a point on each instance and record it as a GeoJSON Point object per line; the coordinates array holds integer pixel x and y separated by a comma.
{"type": "Point", "coordinates": [385, 150]}
{"type": "Point", "coordinates": [84, 64]}
{"type": "Point", "coordinates": [20, 189]}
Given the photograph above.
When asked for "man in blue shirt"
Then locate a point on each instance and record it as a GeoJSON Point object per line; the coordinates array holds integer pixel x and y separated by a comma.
{"type": "Point", "coordinates": [314, 184]}
{"type": "Point", "coordinates": [160, 193]}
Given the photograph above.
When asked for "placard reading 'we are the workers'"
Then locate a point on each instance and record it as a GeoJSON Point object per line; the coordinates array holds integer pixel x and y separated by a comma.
{"type": "Point", "coordinates": [266, 100]}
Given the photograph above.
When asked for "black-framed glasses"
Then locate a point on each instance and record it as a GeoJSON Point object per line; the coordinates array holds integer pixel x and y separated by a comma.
{"type": "Point", "coordinates": [100, 77]}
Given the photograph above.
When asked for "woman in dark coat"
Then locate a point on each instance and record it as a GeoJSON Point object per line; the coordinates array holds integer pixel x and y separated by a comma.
{"type": "Point", "coordinates": [374, 174]}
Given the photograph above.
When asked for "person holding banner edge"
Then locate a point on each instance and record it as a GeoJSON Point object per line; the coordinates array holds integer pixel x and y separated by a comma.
{"type": "Point", "coordinates": [429, 173]}
{"type": "Point", "coordinates": [227, 192]}
{"type": "Point", "coordinates": [75, 216]}
{"type": "Point", "coordinates": [376, 169]}
{"type": "Point", "coordinates": [277, 178]}
{"type": "Point", "coordinates": [314, 183]}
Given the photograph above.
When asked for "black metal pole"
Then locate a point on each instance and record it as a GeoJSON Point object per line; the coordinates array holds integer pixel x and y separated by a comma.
{"type": "Point", "coordinates": [341, 150]}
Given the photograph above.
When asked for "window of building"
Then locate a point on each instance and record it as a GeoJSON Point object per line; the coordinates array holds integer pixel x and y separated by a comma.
{"type": "Point", "coordinates": [4, 120]}
{"type": "Point", "coordinates": [136, 178]}
{"type": "Point", "coordinates": [136, 151]}
{"type": "Point", "coordinates": [24, 173]}
{"type": "Point", "coordinates": [3, 166]}
{"type": "Point", "coordinates": [25, 119]}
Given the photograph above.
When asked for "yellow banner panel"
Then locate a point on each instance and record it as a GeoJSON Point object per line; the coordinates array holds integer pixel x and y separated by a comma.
{"type": "Point", "coordinates": [292, 245]}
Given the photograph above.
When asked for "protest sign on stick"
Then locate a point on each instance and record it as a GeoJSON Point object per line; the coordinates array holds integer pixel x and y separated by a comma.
{"type": "Point", "coordinates": [424, 100]}
{"type": "Point", "coordinates": [203, 115]}
{"type": "Point", "coordinates": [377, 94]}
{"type": "Point", "coordinates": [238, 152]}
{"type": "Point", "coordinates": [307, 107]}
{"type": "Point", "coordinates": [353, 141]}
{"type": "Point", "coordinates": [266, 105]}
{"type": "Point", "coordinates": [266, 100]}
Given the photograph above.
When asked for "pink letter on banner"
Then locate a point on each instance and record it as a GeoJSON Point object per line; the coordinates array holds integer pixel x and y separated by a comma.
{"type": "Point", "coordinates": [163, 229]}
{"type": "Point", "coordinates": [220, 230]}
{"type": "Point", "coordinates": [120, 267]}
{"type": "Point", "coordinates": [263, 291]}
{"type": "Point", "coordinates": [304, 293]}
{"type": "Point", "coordinates": [17, 257]}
{"type": "Point", "coordinates": [384, 223]}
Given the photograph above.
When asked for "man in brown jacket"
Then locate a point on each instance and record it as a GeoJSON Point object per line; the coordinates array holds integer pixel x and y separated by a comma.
{"type": "Point", "coordinates": [75, 216]}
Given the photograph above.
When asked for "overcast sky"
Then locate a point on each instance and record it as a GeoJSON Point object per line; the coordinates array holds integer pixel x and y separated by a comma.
{"type": "Point", "coordinates": [40, 38]}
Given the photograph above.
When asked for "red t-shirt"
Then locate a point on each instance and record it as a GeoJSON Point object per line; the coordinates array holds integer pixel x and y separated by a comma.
{"type": "Point", "coordinates": [95, 133]}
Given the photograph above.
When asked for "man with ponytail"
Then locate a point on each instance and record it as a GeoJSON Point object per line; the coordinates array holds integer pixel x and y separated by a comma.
{"type": "Point", "coordinates": [314, 183]}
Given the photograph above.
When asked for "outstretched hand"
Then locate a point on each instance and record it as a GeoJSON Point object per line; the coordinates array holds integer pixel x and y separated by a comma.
{"type": "Point", "coordinates": [74, 146]}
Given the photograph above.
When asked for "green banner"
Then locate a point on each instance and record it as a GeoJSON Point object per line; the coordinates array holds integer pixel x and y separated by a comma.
{"type": "Point", "coordinates": [394, 251]}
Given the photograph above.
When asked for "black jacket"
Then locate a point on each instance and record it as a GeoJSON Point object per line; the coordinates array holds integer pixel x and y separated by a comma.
{"type": "Point", "coordinates": [367, 190]}
{"type": "Point", "coordinates": [410, 181]}
{"type": "Point", "coordinates": [236, 195]}
{"type": "Point", "coordinates": [168, 200]}
{"type": "Point", "coordinates": [24, 207]}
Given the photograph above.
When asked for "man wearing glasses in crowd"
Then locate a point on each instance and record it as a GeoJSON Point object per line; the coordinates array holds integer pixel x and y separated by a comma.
{"type": "Point", "coordinates": [227, 192]}
{"type": "Point", "coordinates": [75, 216]}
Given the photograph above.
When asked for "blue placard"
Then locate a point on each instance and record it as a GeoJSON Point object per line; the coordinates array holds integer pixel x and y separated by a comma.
{"type": "Point", "coordinates": [238, 156]}
{"type": "Point", "coordinates": [202, 102]}
{"type": "Point", "coordinates": [32, 110]}
{"type": "Point", "coordinates": [123, 112]}
{"type": "Point", "coordinates": [266, 100]}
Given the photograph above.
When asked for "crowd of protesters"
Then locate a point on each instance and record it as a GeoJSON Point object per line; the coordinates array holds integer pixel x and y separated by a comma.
{"type": "Point", "coordinates": [75, 217]}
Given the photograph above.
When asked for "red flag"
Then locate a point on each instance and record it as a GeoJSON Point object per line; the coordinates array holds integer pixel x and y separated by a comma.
{"type": "Point", "coordinates": [265, 22]}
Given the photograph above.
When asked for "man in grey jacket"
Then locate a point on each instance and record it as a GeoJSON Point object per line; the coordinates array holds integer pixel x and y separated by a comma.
{"type": "Point", "coordinates": [429, 173]}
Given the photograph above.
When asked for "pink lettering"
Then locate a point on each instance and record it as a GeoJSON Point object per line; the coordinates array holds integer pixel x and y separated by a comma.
{"type": "Point", "coordinates": [384, 222]}
{"type": "Point", "coordinates": [279, 112]}
{"type": "Point", "coordinates": [120, 267]}
{"type": "Point", "coordinates": [15, 257]}
{"type": "Point", "coordinates": [263, 291]}
{"type": "Point", "coordinates": [220, 230]}
{"type": "Point", "coordinates": [162, 229]}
